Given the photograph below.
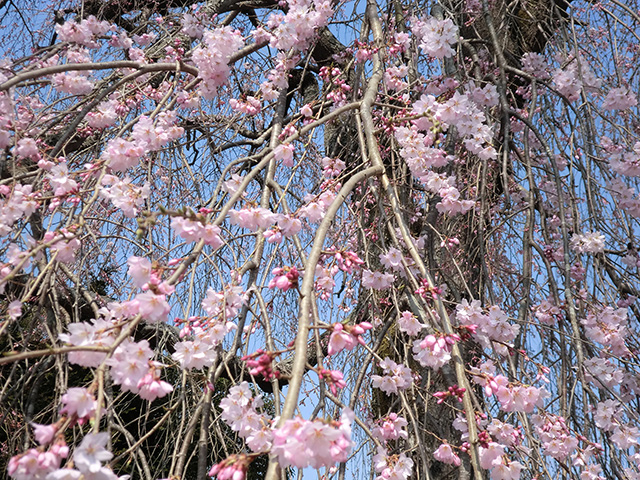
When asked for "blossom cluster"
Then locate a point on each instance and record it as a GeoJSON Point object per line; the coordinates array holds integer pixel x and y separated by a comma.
{"type": "Point", "coordinates": [124, 194]}
{"type": "Point", "coordinates": [436, 36]}
{"type": "Point", "coordinates": [491, 453]}
{"type": "Point", "coordinates": [577, 75]}
{"type": "Point", "coordinates": [390, 427]}
{"type": "Point", "coordinates": [434, 351]}
{"type": "Point", "coordinates": [297, 442]}
{"type": "Point", "coordinates": [623, 162]}
{"type": "Point", "coordinates": [194, 228]}
{"type": "Point", "coordinates": [212, 58]}
{"type": "Point", "coordinates": [296, 28]}
{"type": "Point", "coordinates": [131, 364]}
{"type": "Point", "coordinates": [492, 329]}
{"type": "Point", "coordinates": [588, 242]}
{"type": "Point", "coordinates": [284, 278]}
{"type": "Point", "coordinates": [88, 457]}
{"type": "Point", "coordinates": [83, 33]}
{"type": "Point", "coordinates": [608, 327]}
{"type": "Point", "coordinates": [620, 98]}
{"type": "Point", "coordinates": [512, 397]}
{"type": "Point", "coordinates": [556, 438]}
{"type": "Point", "coordinates": [346, 337]}
{"type": "Point", "coordinates": [377, 280]}
{"type": "Point", "coordinates": [18, 202]}
{"type": "Point", "coordinates": [207, 333]}
{"type": "Point", "coordinates": [255, 218]}
{"type": "Point", "coordinates": [396, 377]}
{"type": "Point", "coordinates": [422, 156]}
{"type": "Point", "coordinates": [148, 135]}
{"type": "Point", "coordinates": [392, 467]}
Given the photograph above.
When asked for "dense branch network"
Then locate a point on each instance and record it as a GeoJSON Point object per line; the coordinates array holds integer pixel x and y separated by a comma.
{"type": "Point", "coordinates": [379, 239]}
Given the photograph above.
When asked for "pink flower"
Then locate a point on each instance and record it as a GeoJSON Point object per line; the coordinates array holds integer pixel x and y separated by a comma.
{"type": "Point", "coordinates": [212, 57]}
{"type": "Point", "coordinates": [227, 302]}
{"type": "Point", "coordinates": [436, 36]}
{"type": "Point", "coordinates": [26, 148]}
{"type": "Point", "coordinates": [434, 352]}
{"type": "Point", "coordinates": [334, 379]}
{"type": "Point", "coordinates": [130, 363]}
{"type": "Point", "coordinates": [507, 470]}
{"type": "Point", "coordinates": [285, 278]}
{"type": "Point", "coordinates": [392, 259]}
{"type": "Point", "coordinates": [196, 229]}
{"type": "Point", "coordinates": [346, 337]}
{"type": "Point", "coordinates": [332, 166]}
{"type": "Point", "coordinates": [15, 309]}
{"type": "Point", "coordinates": [124, 195]}
{"type": "Point", "coordinates": [152, 307]}
{"type": "Point", "coordinates": [284, 152]}
{"type": "Point", "coordinates": [396, 377]}
{"type": "Point", "coordinates": [252, 218]}
{"type": "Point", "coordinates": [289, 225]}
{"type": "Point", "coordinates": [151, 387]}
{"type": "Point", "coordinates": [78, 401]}
{"type": "Point", "coordinates": [556, 439]}
{"type": "Point", "coordinates": [445, 454]}
{"type": "Point", "coordinates": [396, 467]}
{"type": "Point", "coordinates": [490, 455]}
{"type": "Point", "coordinates": [44, 433]}
{"type": "Point", "coordinates": [390, 427]}
{"type": "Point", "coordinates": [273, 235]}
{"type": "Point", "coordinates": [59, 179]}
{"type": "Point", "coordinates": [121, 154]}
{"type": "Point", "coordinates": [619, 99]}
{"type": "Point", "coordinates": [348, 261]}
{"type": "Point", "coordinates": [588, 242]}
{"type": "Point", "coordinates": [625, 436]}
{"type": "Point", "coordinates": [84, 32]}
{"type": "Point", "coordinates": [91, 452]}
{"type": "Point", "coordinates": [232, 468]}
{"type": "Point", "coordinates": [191, 26]}
{"type": "Point", "coordinates": [73, 83]}
{"type": "Point", "coordinates": [302, 443]}
{"type": "Point", "coordinates": [194, 354]}
{"type": "Point", "coordinates": [409, 324]}
{"type": "Point", "coordinates": [340, 340]}
{"type": "Point", "coordinates": [34, 464]}
{"type": "Point", "coordinates": [260, 363]}
{"type": "Point", "coordinates": [98, 334]}
{"type": "Point", "coordinates": [377, 280]}
{"type": "Point", "coordinates": [139, 270]}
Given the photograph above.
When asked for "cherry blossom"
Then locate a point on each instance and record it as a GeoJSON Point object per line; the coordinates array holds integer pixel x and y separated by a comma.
{"type": "Point", "coordinates": [377, 280]}
{"type": "Point", "coordinates": [619, 98]}
{"type": "Point", "coordinates": [212, 57]}
{"type": "Point", "coordinates": [79, 402]}
{"type": "Point", "coordinates": [231, 468]}
{"type": "Point", "coordinates": [438, 193]}
{"type": "Point", "coordinates": [284, 278]}
{"type": "Point", "coordinates": [396, 377]}
{"type": "Point", "coordinates": [434, 352]}
{"type": "Point", "coordinates": [588, 242]}
{"type": "Point", "coordinates": [91, 452]}
{"type": "Point", "coordinates": [333, 378]}
{"type": "Point", "coordinates": [390, 427]}
{"type": "Point", "coordinates": [395, 467]}
{"type": "Point", "coordinates": [346, 336]}
{"type": "Point", "coordinates": [44, 433]}
{"type": "Point", "coordinates": [409, 324]}
{"type": "Point", "coordinates": [444, 453]}
{"type": "Point", "coordinates": [436, 36]}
